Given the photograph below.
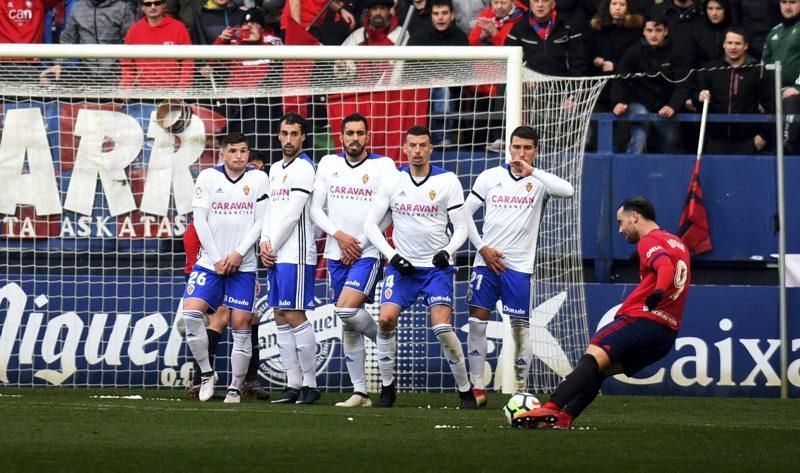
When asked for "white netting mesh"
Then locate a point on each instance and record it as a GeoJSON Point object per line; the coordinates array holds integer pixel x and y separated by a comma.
{"type": "Point", "coordinates": [97, 188]}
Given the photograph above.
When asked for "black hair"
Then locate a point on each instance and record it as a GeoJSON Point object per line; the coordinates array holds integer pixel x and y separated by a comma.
{"type": "Point", "coordinates": [656, 18]}
{"type": "Point", "coordinates": [232, 139]}
{"type": "Point", "coordinates": [256, 154]}
{"type": "Point", "coordinates": [419, 130]}
{"type": "Point", "coordinates": [526, 133]}
{"type": "Point", "coordinates": [292, 118]}
{"type": "Point", "coordinates": [355, 117]}
{"type": "Point", "coordinates": [446, 3]}
{"type": "Point", "coordinates": [640, 205]}
{"type": "Point", "coordinates": [736, 30]}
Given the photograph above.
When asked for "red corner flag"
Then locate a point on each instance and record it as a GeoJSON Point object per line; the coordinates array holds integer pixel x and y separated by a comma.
{"type": "Point", "coordinates": [693, 225]}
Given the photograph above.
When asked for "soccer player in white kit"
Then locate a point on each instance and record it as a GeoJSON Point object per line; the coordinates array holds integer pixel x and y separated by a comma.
{"type": "Point", "coordinates": [229, 205]}
{"type": "Point", "coordinates": [348, 182]}
{"type": "Point", "coordinates": [514, 195]}
{"type": "Point", "coordinates": [288, 249]}
{"type": "Point", "coordinates": [421, 198]}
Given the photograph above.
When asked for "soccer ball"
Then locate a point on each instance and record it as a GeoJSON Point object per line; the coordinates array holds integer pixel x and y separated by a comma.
{"type": "Point", "coordinates": [520, 402]}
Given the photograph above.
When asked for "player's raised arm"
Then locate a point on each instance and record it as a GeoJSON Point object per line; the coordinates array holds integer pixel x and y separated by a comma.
{"type": "Point", "coordinates": [556, 187]}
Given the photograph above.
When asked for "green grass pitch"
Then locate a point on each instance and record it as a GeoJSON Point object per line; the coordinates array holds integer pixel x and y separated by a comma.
{"type": "Point", "coordinates": [76, 430]}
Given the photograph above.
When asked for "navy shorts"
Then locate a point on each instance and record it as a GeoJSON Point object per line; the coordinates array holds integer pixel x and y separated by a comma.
{"type": "Point", "coordinates": [634, 342]}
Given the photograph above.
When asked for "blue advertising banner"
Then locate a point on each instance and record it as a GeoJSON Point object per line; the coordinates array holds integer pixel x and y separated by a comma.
{"type": "Point", "coordinates": [729, 344]}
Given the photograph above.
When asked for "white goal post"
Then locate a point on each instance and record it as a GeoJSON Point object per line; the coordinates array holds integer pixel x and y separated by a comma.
{"type": "Point", "coordinates": [97, 192]}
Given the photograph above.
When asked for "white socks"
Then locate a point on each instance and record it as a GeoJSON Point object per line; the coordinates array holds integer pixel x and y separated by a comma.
{"type": "Point", "coordinates": [307, 352]}
{"type": "Point", "coordinates": [387, 351]}
{"type": "Point", "coordinates": [197, 339]}
{"type": "Point", "coordinates": [287, 349]}
{"type": "Point", "coordinates": [476, 350]}
{"type": "Point", "coordinates": [523, 352]}
{"type": "Point", "coordinates": [356, 324]}
{"type": "Point", "coordinates": [451, 348]}
{"type": "Point", "coordinates": [240, 357]}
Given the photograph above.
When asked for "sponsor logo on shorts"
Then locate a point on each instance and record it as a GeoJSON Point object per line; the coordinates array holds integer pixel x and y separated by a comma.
{"type": "Point", "coordinates": [233, 300]}
{"type": "Point", "coordinates": [285, 303]}
{"type": "Point", "coordinates": [440, 299]}
{"type": "Point", "coordinates": [510, 311]}
{"type": "Point", "coordinates": [190, 289]}
{"type": "Point", "coordinates": [327, 330]}
{"type": "Point", "coordinates": [352, 283]}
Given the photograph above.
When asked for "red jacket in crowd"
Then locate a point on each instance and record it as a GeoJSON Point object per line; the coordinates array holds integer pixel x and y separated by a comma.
{"type": "Point", "coordinates": [22, 21]}
{"type": "Point", "coordinates": [157, 73]}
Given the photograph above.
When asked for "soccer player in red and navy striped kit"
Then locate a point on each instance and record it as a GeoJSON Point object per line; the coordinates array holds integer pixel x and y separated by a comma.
{"type": "Point", "coordinates": [644, 329]}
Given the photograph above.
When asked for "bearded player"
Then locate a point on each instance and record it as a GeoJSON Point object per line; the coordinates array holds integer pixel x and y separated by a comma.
{"type": "Point", "coordinates": [347, 182]}
{"type": "Point", "coordinates": [644, 329]}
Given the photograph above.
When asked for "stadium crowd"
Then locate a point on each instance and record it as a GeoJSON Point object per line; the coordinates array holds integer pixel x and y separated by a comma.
{"type": "Point", "coordinates": [685, 51]}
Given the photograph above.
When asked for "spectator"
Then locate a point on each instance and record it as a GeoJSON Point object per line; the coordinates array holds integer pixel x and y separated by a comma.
{"type": "Point", "coordinates": [783, 44]}
{"type": "Point", "coordinates": [663, 90]}
{"type": "Point", "coordinates": [303, 13]}
{"type": "Point", "coordinates": [495, 22]}
{"type": "Point", "coordinates": [734, 85]}
{"type": "Point", "coordinates": [186, 11]}
{"type": "Point", "coordinates": [549, 45]}
{"type": "Point", "coordinates": [213, 19]}
{"type": "Point", "coordinates": [420, 18]}
{"type": "Point", "coordinates": [576, 13]}
{"type": "Point", "coordinates": [615, 28]}
{"type": "Point", "coordinates": [442, 31]}
{"type": "Point", "coordinates": [467, 12]}
{"type": "Point", "coordinates": [254, 117]}
{"type": "Point", "coordinates": [757, 17]}
{"type": "Point", "coordinates": [22, 22]}
{"type": "Point", "coordinates": [156, 28]}
{"type": "Point", "coordinates": [711, 34]}
{"type": "Point", "coordinates": [389, 111]}
{"type": "Point", "coordinates": [94, 22]}
{"type": "Point", "coordinates": [684, 17]}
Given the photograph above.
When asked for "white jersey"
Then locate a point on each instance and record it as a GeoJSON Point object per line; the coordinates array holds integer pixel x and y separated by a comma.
{"type": "Point", "coordinates": [419, 212]}
{"type": "Point", "coordinates": [514, 208]}
{"type": "Point", "coordinates": [350, 190]}
{"type": "Point", "coordinates": [296, 176]}
{"type": "Point", "coordinates": [231, 210]}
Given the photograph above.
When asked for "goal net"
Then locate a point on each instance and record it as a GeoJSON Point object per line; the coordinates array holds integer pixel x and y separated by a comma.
{"type": "Point", "coordinates": [98, 157]}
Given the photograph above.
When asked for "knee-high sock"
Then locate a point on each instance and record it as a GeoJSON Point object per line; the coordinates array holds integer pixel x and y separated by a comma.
{"type": "Point", "coordinates": [355, 355]}
{"type": "Point", "coordinates": [451, 348]}
{"type": "Point", "coordinates": [476, 350]}
{"type": "Point", "coordinates": [386, 346]}
{"type": "Point", "coordinates": [240, 357]}
{"type": "Point", "coordinates": [307, 352]}
{"type": "Point", "coordinates": [197, 339]}
{"type": "Point", "coordinates": [584, 376]}
{"type": "Point", "coordinates": [213, 342]}
{"type": "Point", "coordinates": [521, 333]}
{"type": "Point", "coordinates": [359, 320]}
{"type": "Point", "coordinates": [252, 366]}
{"type": "Point", "coordinates": [287, 349]}
{"type": "Point", "coordinates": [580, 402]}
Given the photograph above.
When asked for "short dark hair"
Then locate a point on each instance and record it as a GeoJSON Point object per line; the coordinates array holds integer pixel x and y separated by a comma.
{"type": "Point", "coordinates": [736, 30]}
{"type": "Point", "coordinates": [442, 3]}
{"type": "Point", "coordinates": [292, 118]}
{"type": "Point", "coordinates": [640, 205]}
{"type": "Point", "coordinates": [256, 154]}
{"type": "Point", "coordinates": [232, 139]}
{"type": "Point", "coordinates": [526, 133]}
{"type": "Point", "coordinates": [419, 130]}
{"type": "Point", "coordinates": [656, 18]}
{"type": "Point", "coordinates": [355, 117]}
